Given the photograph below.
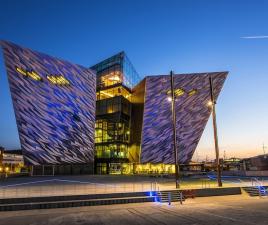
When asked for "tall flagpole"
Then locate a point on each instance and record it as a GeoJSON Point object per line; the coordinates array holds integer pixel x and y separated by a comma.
{"type": "Point", "coordinates": [215, 131]}
{"type": "Point", "coordinates": [174, 130]}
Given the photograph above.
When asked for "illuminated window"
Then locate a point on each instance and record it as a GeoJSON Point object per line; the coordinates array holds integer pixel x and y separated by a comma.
{"type": "Point", "coordinates": [177, 92]}
{"type": "Point", "coordinates": [110, 77]}
{"type": "Point", "coordinates": [34, 75]}
{"type": "Point", "coordinates": [192, 92]}
{"type": "Point", "coordinates": [31, 74]}
{"type": "Point", "coordinates": [112, 92]}
{"type": "Point", "coordinates": [21, 71]}
{"type": "Point", "coordinates": [58, 80]}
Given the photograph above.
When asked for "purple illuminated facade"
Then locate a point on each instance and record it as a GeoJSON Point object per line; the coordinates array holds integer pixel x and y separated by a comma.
{"type": "Point", "coordinates": [54, 104]}
{"type": "Point", "coordinates": [192, 93]}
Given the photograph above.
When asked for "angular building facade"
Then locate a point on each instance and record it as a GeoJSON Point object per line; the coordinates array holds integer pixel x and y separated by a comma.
{"type": "Point", "coordinates": [73, 117]}
{"type": "Point", "coordinates": [192, 94]}
{"type": "Point", "coordinates": [54, 104]}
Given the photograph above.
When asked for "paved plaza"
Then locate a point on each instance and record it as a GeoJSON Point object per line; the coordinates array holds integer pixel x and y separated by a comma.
{"type": "Point", "coordinates": [225, 210]}
{"type": "Point", "coordinates": [94, 184]}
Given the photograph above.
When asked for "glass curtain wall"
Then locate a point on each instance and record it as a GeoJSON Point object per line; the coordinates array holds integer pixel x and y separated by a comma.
{"type": "Point", "coordinates": [115, 78]}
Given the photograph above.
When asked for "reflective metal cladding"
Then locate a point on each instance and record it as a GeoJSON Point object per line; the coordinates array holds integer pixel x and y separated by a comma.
{"type": "Point", "coordinates": [54, 104]}
{"type": "Point", "coordinates": [192, 94]}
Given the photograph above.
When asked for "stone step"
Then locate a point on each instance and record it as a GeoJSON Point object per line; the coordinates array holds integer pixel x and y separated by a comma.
{"type": "Point", "coordinates": [255, 191]}
{"type": "Point", "coordinates": [74, 203]}
{"type": "Point", "coordinates": [72, 197]}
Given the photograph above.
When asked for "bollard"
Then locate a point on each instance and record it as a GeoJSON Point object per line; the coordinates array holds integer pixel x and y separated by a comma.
{"type": "Point", "coordinates": [169, 198]}
{"type": "Point", "coordinates": [181, 198]}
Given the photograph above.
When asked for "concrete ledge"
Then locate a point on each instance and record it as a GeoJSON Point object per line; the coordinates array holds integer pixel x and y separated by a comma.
{"type": "Point", "coordinates": [217, 191]}
{"type": "Point", "coordinates": [71, 197]}
{"type": "Point", "coordinates": [74, 203]}
{"type": "Point", "coordinates": [99, 199]}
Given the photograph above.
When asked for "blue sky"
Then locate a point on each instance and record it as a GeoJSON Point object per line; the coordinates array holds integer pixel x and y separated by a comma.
{"type": "Point", "coordinates": [185, 36]}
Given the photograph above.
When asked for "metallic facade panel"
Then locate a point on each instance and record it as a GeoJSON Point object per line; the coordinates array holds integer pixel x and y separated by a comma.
{"type": "Point", "coordinates": [56, 120]}
{"type": "Point", "coordinates": [192, 114]}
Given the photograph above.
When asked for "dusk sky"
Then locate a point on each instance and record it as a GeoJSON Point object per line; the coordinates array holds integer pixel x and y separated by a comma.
{"type": "Point", "coordinates": [158, 36]}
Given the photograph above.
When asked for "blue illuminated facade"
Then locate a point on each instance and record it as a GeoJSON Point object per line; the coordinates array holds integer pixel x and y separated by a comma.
{"type": "Point", "coordinates": [54, 103]}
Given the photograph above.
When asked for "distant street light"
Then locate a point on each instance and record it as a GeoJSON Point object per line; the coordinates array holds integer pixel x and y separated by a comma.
{"type": "Point", "coordinates": [172, 100]}
{"type": "Point", "coordinates": [212, 104]}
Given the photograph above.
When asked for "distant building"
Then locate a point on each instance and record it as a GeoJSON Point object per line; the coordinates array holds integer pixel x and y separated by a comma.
{"type": "Point", "coordinates": [11, 161]}
{"type": "Point", "coordinates": [256, 163]}
{"type": "Point", "coordinates": [233, 164]}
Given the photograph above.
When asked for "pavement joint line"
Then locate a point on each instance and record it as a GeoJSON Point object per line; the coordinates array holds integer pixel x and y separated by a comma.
{"type": "Point", "coordinates": [32, 182]}
{"type": "Point", "coordinates": [145, 217]}
{"type": "Point", "coordinates": [43, 181]}
{"type": "Point", "coordinates": [224, 217]}
{"type": "Point", "coordinates": [240, 208]}
{"type": "Point", "coordinates": [68, 181]}
{"type": "Point", "coordinates": [209, 204]}
{"type": "Point", "coordinates": [188, 218]}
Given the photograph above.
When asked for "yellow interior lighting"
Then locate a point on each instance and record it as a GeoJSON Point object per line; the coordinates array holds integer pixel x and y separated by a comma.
{"type": "Point", "coordinates": [21, 71]}
{"type": "Point", "coordinates": [192, 92]}
{"type": "Point", "coordinates": [114, 78]}
{"type": "Point", "coordinates": [34, 75]}
{"type": "Point", "coordinates": [58, 80]}
{"type": "Point", "coordinates": [177, 92]}
{"type": "Point", "coordinates": [106, 93]}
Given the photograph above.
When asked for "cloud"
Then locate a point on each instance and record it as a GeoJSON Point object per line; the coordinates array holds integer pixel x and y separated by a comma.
{"type": "Point", "coordinates": [255, 37]}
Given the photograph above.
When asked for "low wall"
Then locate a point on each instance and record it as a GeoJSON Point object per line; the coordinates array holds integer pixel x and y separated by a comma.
{"type": "Point", "coordinates": [263, 173]}
{"type": "Point", "coordinates": [207, 192]}
{"type": "Point", "coordinates": [247, 173]}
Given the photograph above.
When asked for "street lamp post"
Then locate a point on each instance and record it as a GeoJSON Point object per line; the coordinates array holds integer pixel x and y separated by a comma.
{"type": "Point", "coordinates": [213, 106]}
{"type": "Point", "coordinates": [174, 129]}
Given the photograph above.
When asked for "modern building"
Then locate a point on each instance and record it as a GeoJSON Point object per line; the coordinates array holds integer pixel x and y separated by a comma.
{"type": "Point", "coordinates": [11, 161]}
{"type": "Point", "coordinates": [70, 116]}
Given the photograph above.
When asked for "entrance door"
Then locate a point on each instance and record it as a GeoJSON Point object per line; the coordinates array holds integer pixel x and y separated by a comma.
{"type": "Point", "coordinates": [115, 168]}
{"type": "Point", "coordinates": [101, 168]}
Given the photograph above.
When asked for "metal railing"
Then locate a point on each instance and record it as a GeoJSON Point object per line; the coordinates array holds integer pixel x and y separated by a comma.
{"type": "Point", "coordinates": [60, 187]}
{"type": "Point", "coordinates": [51, 188]}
